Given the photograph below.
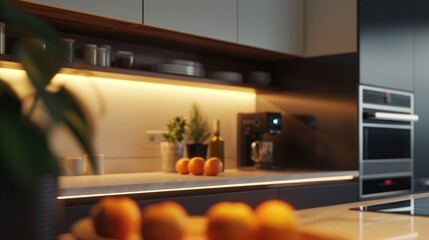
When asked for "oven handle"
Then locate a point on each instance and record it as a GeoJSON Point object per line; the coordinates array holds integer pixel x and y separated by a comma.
{"type": "Point", "coordinates": [392, 116]}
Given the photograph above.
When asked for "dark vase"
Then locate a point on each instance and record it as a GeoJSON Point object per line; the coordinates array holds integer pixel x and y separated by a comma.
{"type": "Point", "coordinates": [196, 150]}
{"type": "Point", "coordinates": [30, 214]}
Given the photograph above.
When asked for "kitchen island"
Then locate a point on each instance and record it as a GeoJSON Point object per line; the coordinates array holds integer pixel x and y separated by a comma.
{"type": "Point", "coordinates": [302, 188]}
{"type": "Point", "coordinates": [339, 222]}
{"type": "Point", "coordinates": [352, 224]}
{"type": "Point", "coordinates": [158, 182]}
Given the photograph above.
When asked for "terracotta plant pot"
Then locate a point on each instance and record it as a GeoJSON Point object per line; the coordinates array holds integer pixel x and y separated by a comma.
{"type": "Point", "coordinates": [196, 150]}
{"type": "Point", "coordinates": [170, 153]}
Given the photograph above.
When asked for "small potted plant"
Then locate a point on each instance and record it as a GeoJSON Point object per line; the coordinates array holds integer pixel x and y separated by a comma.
{"type": "Point", "coordinates": [172, 147]}
{"type": "Point", "coordinates": [198, 132]}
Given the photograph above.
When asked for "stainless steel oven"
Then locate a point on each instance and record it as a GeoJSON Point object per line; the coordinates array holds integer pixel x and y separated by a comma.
{"type": "Point", "coordinates": [386, 133]}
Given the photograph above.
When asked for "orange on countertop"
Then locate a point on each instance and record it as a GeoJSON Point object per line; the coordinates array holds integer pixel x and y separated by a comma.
{"type": "Point", "coordinates": [196, 165]}
{"type": "Point", "coordinates": [230, 221]}
{"type": "Point", "coordinates": [213, 166]}
{"type": "Point", "coordinates": [164, 221]}
{"type": "Point", "coordinates": [116, 217]}
{"type": "Point", "coordinates": [182, 166]}
{"type": "Point", "coordinates": [276, 220]}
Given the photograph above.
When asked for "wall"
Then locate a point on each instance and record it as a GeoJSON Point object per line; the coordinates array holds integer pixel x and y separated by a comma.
{"type": "Point", "coordinates": [318, 99]}
{"type": "Point", "coordinates": [124, 110]}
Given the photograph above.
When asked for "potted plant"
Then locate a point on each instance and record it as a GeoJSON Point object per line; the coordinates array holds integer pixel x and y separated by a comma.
{"type": "Point", "coordinates": [198, 132]}
{"type": "Point", "coordinates": [28, 168]}
{"type": "Point", "coordinates": [172, 147]}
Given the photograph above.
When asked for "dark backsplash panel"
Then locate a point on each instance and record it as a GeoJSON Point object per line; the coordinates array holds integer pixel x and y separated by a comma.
{"type": "Point", "coordinates": [318, 99]}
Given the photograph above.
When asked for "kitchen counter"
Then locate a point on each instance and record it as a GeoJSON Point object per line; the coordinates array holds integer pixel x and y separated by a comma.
{"type": "Point", "coordinates": [340, 222]}
{"type": "Point", "coordinates": [351, 224]}
{"type": "Point", "coordinates": [156, 182]}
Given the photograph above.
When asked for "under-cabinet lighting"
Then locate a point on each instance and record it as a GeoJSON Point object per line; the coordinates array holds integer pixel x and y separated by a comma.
{"type": "Point", "coordinates": [86, 80]}
{"type": "Point", "coordinates": [279, 182]}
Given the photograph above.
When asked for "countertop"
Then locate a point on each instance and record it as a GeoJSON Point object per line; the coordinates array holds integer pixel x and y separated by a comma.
{"type": "Point", "coordinates": [351, 224]}
{"type": "Point", "coordinates": [155, 182]}
{"type": "Point", "coordinates": [339, 222]}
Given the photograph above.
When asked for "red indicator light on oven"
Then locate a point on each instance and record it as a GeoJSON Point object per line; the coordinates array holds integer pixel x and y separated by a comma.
{"type": "Point", "coordinates": [387, 182]}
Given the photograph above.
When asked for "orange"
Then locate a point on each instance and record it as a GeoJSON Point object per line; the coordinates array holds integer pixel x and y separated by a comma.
{"type": "Point", "coordinates": [213, 166]}
{"type": "Point", "coordinates": [230, 221]}
{"type": "Point", "coordinates": [196, 166]}
{"type": "Point", "coordinates": [116, 217]}
{"type": "Point", "coordinates": [164, 221]}
{"type": "Point", "coordinates": [276, 220]}
{"type": "Point", "coordinates": [182, 166]}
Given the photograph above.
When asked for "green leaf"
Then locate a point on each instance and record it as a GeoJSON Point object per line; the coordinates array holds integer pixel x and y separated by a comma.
{"type": "Point", "coordinates": [175, 129]}
{"type": "Point", "coordinates": [197, 125]}
{"type": "Point", "coordinates": [40, 65]}
{"type": "Point", "coordinates": [9, 100]}
{"type": "Point", "coordinates": [76, 119]}
{"type": "Point", "coordinates": [68, 110]}
{"type": "Point", "coordinates": [24, 150]}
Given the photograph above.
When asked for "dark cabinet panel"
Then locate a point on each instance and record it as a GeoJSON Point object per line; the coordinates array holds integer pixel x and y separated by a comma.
{"type": "Point", "coordinates": [320, 195]}
{"type": "Point", "coordinates": [194, 204]}
{"type": "Point", "coordinates": [421, 78]}
{"type": "Point", "coordinates": [386, 43]}
{"type": "Point", "coordinates": [198, 205]}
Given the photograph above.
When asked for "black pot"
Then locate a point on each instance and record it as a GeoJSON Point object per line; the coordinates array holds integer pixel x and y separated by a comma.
{"type": "Point", "coordinates": [196, 150]}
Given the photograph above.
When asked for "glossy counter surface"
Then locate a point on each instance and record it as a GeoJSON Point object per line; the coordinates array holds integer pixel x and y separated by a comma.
{"type": "Point", "coordinates": [110, 184]}
{"type": "Point", "coordinates": [351, 224]}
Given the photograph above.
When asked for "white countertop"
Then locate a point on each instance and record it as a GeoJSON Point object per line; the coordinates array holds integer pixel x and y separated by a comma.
{"type": "Point", "coordinates": [351, 224]}
{"type": "Point", "coordinates": [111, 184]}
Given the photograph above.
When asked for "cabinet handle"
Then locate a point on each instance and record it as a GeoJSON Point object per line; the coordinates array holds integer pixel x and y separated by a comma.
{"type": "Point", "coordinates": [392, 116]}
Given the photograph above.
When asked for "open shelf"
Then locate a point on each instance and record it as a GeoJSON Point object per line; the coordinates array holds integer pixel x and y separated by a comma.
{"type": "Point", "coordinates": [82, 69]}
{"type": "Point", "coordinates": [91, 25]}
{"type": "Point", "coordinates": [163, 44]}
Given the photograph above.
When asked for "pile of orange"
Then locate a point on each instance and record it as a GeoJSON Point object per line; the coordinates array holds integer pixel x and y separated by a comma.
{"type": "Point", "coordinates": [121, 218]}
{"type": "Point", "coordinates": [199, 166]}
{"type": "Point", "coordinates": [271, 220]}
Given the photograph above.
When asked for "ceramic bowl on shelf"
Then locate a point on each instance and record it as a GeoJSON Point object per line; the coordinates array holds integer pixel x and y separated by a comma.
{"type": "Point", "coordinates": [181, 67]}
{"type": "Point", "coordinates": [184, 63]}
{"type": "Point", "coordinates": [226, 76]}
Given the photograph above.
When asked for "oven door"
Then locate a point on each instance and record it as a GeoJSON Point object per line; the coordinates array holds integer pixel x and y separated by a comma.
{"type": "Point", "coordinates": [386, 153]}
{"type": "Point", "coordinates": [386, 142]}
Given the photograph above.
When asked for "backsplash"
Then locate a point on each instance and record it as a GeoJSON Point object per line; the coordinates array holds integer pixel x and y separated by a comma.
{"type": "Point", "coordinates": [124, 110]}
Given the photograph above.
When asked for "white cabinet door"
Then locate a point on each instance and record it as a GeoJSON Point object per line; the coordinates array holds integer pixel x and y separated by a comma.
{"type": "Point", "coordinates": [330, 27]}
{"type": "Point", "coordinates": [128, 10]}
{"type": "Point", "coordinates": [214, 19]}
{"type": "Point", "coordinates": [272, 24]}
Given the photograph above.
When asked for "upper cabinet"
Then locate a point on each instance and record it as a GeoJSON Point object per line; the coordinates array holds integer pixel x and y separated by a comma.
{"type": "Point", "coordinates": [386, 40]}
{"type": "Point", "coordinates": [330, 27]}
{"type": "Point", "coordinates": [128, 10]}
{"type": "Point", "coordinates": [275, 25]}
{"type": "Point", "coordinates": [214, 19]}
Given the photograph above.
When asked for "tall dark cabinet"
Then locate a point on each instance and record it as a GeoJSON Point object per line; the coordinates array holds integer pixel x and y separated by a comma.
{"type": "Point", "coordinates": [394, 53]}
{"type": "Point", "coordinates": [421, 90]}
{"type": "Point", "coordinates": [386, 43]}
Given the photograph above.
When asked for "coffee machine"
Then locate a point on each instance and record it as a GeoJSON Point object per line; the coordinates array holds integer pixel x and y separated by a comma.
{"type": "Point", "coordinates": [257, 133]}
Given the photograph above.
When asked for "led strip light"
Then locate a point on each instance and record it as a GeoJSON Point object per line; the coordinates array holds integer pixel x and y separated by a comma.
{"type": "Point", "coordinates": [279, 182]}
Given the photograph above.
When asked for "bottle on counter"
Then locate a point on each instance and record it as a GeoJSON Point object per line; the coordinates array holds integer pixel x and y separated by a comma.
{"type": "Point", "coordinates": [216, 144]}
